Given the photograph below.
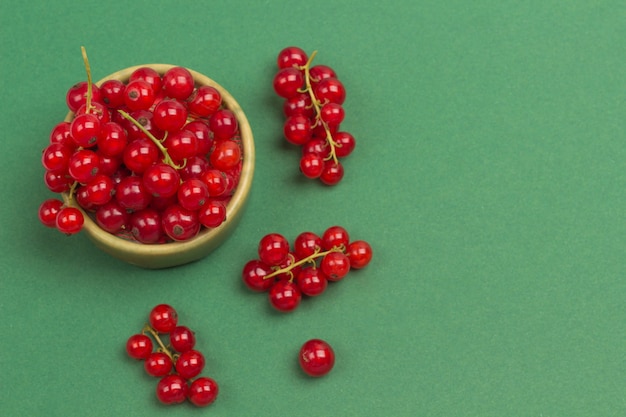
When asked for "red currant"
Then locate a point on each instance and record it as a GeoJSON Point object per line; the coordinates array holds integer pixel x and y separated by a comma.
{"type": "Point", "coordinates": [330, 90]}
{"type": "Point", "coordinates": [334, 237]}
{"type": "Point", "coordinates": [204, 138]}
{"type": "Point", "coordinates": [178, 83]}
{"type": "Point", "coordinates": [223, 124]}
{"type": "Point", "coordinates": [254, 273]}
{"type": "Point", "coordinates": [192, 194]}
{"type": "Point", "coordinates": [77, 95]}
{"type": "Point", "coordinates": [285, 296]}
{"type": "Point", "coordinates": [163, 318]}
{"type": "Point", "coordinates": [316, 358]}
{"type": "Point", "coordinates": [291, 56]}
{"type": "Point", "coordinates": [139, 346]}
{"type": "Point", "coordinates": [111, 217]}
{"type": "Point", "coordinates": [180, 223]}
{"type": "Point", "coordinates": [311, 281]}
{"type": "Point", "coordinates": [181, 145]}
{"type": "Point", "coordinates": [113, 93]}
{"type": "Point", "coordinates": [288, 82]}
{"type": "Point", "coordinates": [145, 225]}
{"type": "Point", "coordinates": [100, 190]}
{"type": "Point", "coordinates": [305, 244]}
{"type": "Point", "coordinates": [131, 193]}
{"type": "Point", "coordinates": [299, 104]}
{"type": "Point", "coordinates": [204, 101]}
{"type": "Point", "coordinates": [61, 134]}
{"type": "Point", "coordinates": [311, 165]}
{"type": "Point", "coordinates": [332, 172]}
{"type": "Point", "coordinates": [190, 363]}
{"type": "Point", "coordinates": [84, 165]}
{"type": "Point", "coordinates": [360, 254]}
{"type": "Point", "coordinates": [203, 391]}
{"type": "Point", "coordinates": [148, 75]}
{"type": "Point", "coordinates": [56, 157]}
{"type": "Point", "coordinates": [319, 72]}
{"type": "Point", "coordinates": [226, 155]}
{"type": "Point", "coordinates": [182, 339]}
{"type": "Point", "coordinates": [172, 389]}
{"type": "Point", "coordinates": [212, 214]}
{"type": "Point", "coordinates": [57, 182]}
{"type": "Point", "coordinates": [112, 139]}
{"type": "Point", "coordinates": [297, 130]}
{"type": "Point", "coordinates": [335, 266]}
{"type": "Point", "coordinates": [216, 182]}
{"type": "Point", "coordinates": [170, 115]}
{"type": "Point", "coordinates": [85, 129]}
{"type": "Point", "coordinates": [140, 154]}
{"type": "Point", "coordinates": [273, 249]}
{"type": "Point", "coordinates": [69, 220]}
{"type": "Point", "coordinates": [161, 180]}
{"type": "Point", "coordinates": [138, 95]}
{"type": "Point", "coordinates": [158, 364]}
{"type": "Point", "coordinates": [332, 114]}
{"type": "Point", "coordinates": [48, 211]}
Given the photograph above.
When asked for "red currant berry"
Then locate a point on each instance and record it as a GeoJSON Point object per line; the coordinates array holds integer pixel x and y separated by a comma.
{"type": "Point", "coordinates": [216, 182]}
{"type": "Point", "coordinates": [311, 281]}
{"type": "Point", "coordinates": [113, 93]}
{"type": "Point", "coordinates": [56, 157]}
{"type": "Point", "coordinates": [297, 130]}
{"type": "Point", "coordinates": [223, 124]}
{"type": "Point", "coordinates": [335, 266]}
{"type": "Point", "coordinates": [148, 75]}
{"type": "Point", "coordinates": [112, 139]}
{"type": "Point", "coordinates": [139, 346]}
{"type": "Point", "coordinates": [316, 145]}
{"type": "Point", "coordinates": [192, 194]}
{"type": "Point", "coordinates": [189, 364]}
{"type": "Point", "coordinates": [100, 110]}
{"type": "Point", "coordinates": [48, 211]}
{"type": "Point", "coordinates": [145, 119]}
{"type": "Point", "coordinates": [291, 56]}
{"type": "Point", "coordinates": [254, 273]}
{"type": "Point", "coordinates": [319, 72]}
{"type": "Point", "coordinates": [194, 168]}
{"type": "Point", "coordinates": [180, 223]}
{"type": "Point", "coordinates": [83, 166]}
{"type": "Point", "coordinates": [181, 145]}
{"type": "Point", "coordinates": [161, 180]}
{"type": "Point", "coordinates": [285, 296]}
{"type": "Point", "coordinates": [305, 244]}
{"type": "Point", "coordinates": [145, 226]}
{"type": "Point", "coordinates": [178, 83]}
{"type": "Point", "coordinates": [311, 165]}
{"type": "Point", "coordinates": [100, 190]}
{"type": "Point", "coordinates": [163, 318]}
{"type": "Point", "coordinates": [111, 217]}
{"type": "Point", "coordinates": [170, 115]}
{"type": "Point", "coordinates": [335, 237]}
{"type": "Point", "coordinates": [204, 101]}
{"type": "Point", "coordinates": [77, 95]}
{"type": "Point", "coordinates": [317, 357]}
{"type": "Point", "coordinates": [212, 214]}
{"type": "Point", "coordinates": [332, 114]}
{"type": "Point", "coordinates": [140, 154]}
{"type": "Point", "coordinates": [158, 364]}
{"type": "Point", "coordinates": [360, 254]}
{"type": "Point", "coordinates": [203, 391]}
{"type": "Point", "coordinates": [109, 165]}
{"type": "Point", "coordinates": [85, 129]}
{"type": "Point", "coordinates": [288, 82]}
{"type": "Point", "coordinates": [299, 104]}
{"type": "Point", "coordinates": [332, 173]}
{"type": "Point", "coordinates": [61, 134]}
{"type": "Point", "coordinates": [330, 90]}
{"type": "Point", "coordinates": [204, 138]}
{"type": "Point", "coordinates": [57, 182]}
{"type": "Point", "coordinates": [273, 249]}
{"type": "Point", "coordinates": [182, 339]}
{"type": "Point", "coordinates": [226, 155]}
{"type": "Point", "coordinates": [172, 389]}
{"type": "Point", "coordinates": [69, 220]}
{"type": "Point", "coordinates": [345, 144]}
{"type": "Point", "coordinates": [132, 194]}
{"type": "Point", "coordinates": [138, 95]}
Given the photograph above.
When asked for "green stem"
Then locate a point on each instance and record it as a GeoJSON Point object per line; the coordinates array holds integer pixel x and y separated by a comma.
{"type": "Point", "coordinates": [309, 259]}
{"type": "Point", "coordinates": [89, 87]}
{"type": "Point", "coordinates": [156, 337]}
{"type": "Point", "coordinates": [316, 105]}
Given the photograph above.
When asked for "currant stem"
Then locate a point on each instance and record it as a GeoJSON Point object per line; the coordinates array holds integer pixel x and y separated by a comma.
{"type": "Point", "coordinates": [156, 337]}
{"type": "Point", "coordinates": [88, 69]}
{"type": "Point", "coordinates": [166, 156]}
{"type": "Point", "coordinates": [316, 105]}
{"type": "Point", "coordinates": [309, 259]}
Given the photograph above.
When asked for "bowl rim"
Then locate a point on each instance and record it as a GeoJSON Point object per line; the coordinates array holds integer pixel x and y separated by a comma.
{"type": "Point", "coordinates": [178, 252]}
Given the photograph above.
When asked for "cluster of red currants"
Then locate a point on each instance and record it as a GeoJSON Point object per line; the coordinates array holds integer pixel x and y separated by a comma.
{"type": "Point", "coordinates": [288, 273]}
{"type": "Point", "coordinates": [153, 159]}
{"type": "Point", "coordinates": [176, 363]}
{"type": "Point", "coordinates": [313, 107]}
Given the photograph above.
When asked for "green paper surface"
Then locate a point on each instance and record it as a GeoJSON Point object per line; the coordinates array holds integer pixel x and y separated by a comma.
{"type": "Point", "coordinates": [489, 177]}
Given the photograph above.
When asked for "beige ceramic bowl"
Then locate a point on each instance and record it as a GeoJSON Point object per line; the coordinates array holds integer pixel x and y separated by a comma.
{"type": "Point", "coordinates": [177, 253]}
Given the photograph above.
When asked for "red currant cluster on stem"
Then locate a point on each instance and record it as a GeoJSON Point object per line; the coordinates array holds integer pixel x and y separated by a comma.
{"type": "Point", "coordinates": [288, 273]}
{"type": "Point", "coordinates": [177, 364]}
{"type": "Point", "coordinates": [313, 106]}
{"type": "Point", "coordinates": [153, 159]}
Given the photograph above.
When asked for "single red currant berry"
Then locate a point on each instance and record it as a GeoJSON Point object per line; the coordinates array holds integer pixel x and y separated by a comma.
{"type": "Point", "coordinates": [291, 56]}
{"type": "Point", "coordinates": [216, 182]}
{"type": "Point", "coordinates": [69, 220]}
{"type": "Point", "coordinates": [57, 182]}
{"type": "Point", "coordinates": [344, 144]}
{"type": "Point", "coordinates": [203, 391]}
{"type": "Point", "coordinates": [83, 166]}
{"type": "Point", "coordinates": [299, 104]}
{"type": "Point", "coordinates": [316, 358]}
{"type": "Point", "coordinates": [181, 145]}
{"type": "Point", "coordinates": [335, 237]}
{"type": "Point", "coordinates": [145, 119]}
{"type": "Point", "coordinates": [305, 244]}
{"type": "Point", "coordinates": [145, 226]}
{"type": "Point", "coordinates": [332, 173]}
{"type": "Point", "coordinates": [332, 114]}
{"type": "Point", "coordinates": [158, 364]}
{"type": "Point", "coordinates": [285, 296]}
{"type": "Point", "coordinates": [179, 223]}
{"type": "Point", "coordinates": [203, 135]}
{"type": "Point", "coordinates": [178, 83]}
{"type": "Point", "coordinates": [297, 130]}
{"type": "Point", "coordinates": [170, 115]}
{"type": "Point", "coordinates": [319, 72]}
{"type": "Point", "coordinates": [212, 214]}
{"type": "Point", "coordinates": [113, 93]}
{"type": "Point", "coordinates": [100, 190]}
{"type": "Point", "coordinates": [360, 254]}
{"type": "Point", "coordinates": [254, 273]}
{"type": "Point", "coordinates": [311, 165]}
{"type": "Point", "coordinates": [287, 82]}
{"type": "Point", "coordinates": [61, 134]}
{"type": "Point", "coordinates": [330, 90]}
{"type": "Point", "coordinates": [172, 389]}
{"type": "Point", "coordinates": [192, 194]}
{"type": "Point", "coordinates": [273, 249]}
{"type": "Point", "coordinates": [161, 180]}
{"type": "Point", "coordinates": [56, 157]}
{"type": "Point", "coordinates": [139, 346]}
{"type": "Point", "coordinates": [77, 95]}
{"type": "Point", "coordinates": [189, 364]}
{"type": "Point", "coordinates": [194, 168]}
{"type": "Point", "coordinates": [335, 266]}
{"type": "Point", "coordinates": [140, 154]}
{"type": "Point", "coordinates": [111, 217]}
{"type": "Point", "coordinates": [132, 194]}
{"type": "Point", "coordinates": [311, 281]}
{"type": "Point", "coordinates": [100, 110]}
{"type": "Point", "coordinates": [148, 75]}
{"type": "Point", "coordinates": [182, 339]}
{"type": "Point", "coordinates": [85, 129]}
{"type": "Point", "coordinates": [205, 100]}
{"type": "Point", "coordinates": [48, 211]}
{"type": "Point", "coordinates": [138, 95]}
{"type": "Point", "coordinates": [163, 318]}
{"type": "Point", "coordinates": [223, 124]}
{"type": "Point", "coordinates": [112, 139]}
{"type": "Point", "coordinates": [316, 145]}
{"type": "Point", "coordinates": [226, 155]}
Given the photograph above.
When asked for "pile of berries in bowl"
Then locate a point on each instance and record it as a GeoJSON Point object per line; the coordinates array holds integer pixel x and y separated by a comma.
{"type": "Point", "coordinates": [153, 162]}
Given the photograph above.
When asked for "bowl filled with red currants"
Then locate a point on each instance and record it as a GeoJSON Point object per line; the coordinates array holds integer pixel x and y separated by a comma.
{"type": "Point", "coordinates": [154, 162]}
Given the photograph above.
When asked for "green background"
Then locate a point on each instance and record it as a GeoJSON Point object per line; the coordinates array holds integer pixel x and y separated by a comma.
{"type": "Point", "coordinates": [489, 177]}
